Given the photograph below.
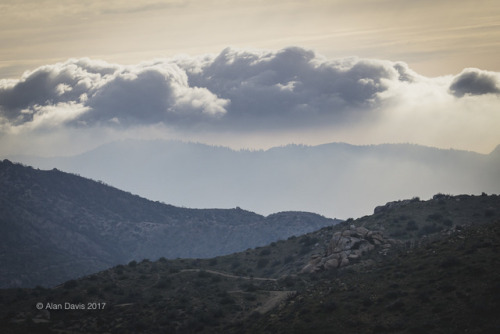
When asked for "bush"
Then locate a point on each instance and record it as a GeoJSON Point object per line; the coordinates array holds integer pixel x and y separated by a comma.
{"type": "Point", "coordinates": [203, 274]}
{"type": "Point", "coordinates": [265, 251]}
{"type": "Point", "coordinates": [450, 261]}
{"type": "Point", "coordinates": [435, 216]}
{"type": "Point", "coordinates": [411, 226]}
{"type": "Point", "coordinates": [93, 290]}
{"type": "Point", "coordinates": [448, 222]}
{"type": "Point", "coordinates": [308, 241]}
{"type": "Point", "coordinates": [428, 229]}
{"type": "Point", "coordinates": [262, 262]}
{"type": "Point", "coordinates": [330, 305]}
{"type": "Point", "coordinates": [304, 250]}
{"type": "Point", "coordinates": [226, 300]}
{"type": "Point", "coordinates": [163, 283]}
{"type": "Point", "coordinates": [287, 281]}
{"type": "Point", "coordinates": [250, 297]}
{"type": "Point", "coordinates": [489, 213]}
{"type": "Point", "coordinates": [70, 284]}
{"type": "Point", "coordinates": [249, 287]}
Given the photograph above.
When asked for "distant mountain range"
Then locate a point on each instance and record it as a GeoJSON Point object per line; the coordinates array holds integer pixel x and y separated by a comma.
{"type": "Point", "coordinates": [55, 226]}
{"type": "Point", "coordinates": [335, 180]}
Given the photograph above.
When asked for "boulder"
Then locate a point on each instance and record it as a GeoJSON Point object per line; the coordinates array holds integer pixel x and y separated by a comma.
{"type": "Point", "coordinates": [344, 262]}
{"type": "Point", "coordinates": [331, 264]}
{"type": "Point", "coordinates": [353, 256]}
{"type": "Point", "coordinates": [350, 244]}
{"type": "Point", "coordinates": [308, 268]}
{"type": "Point", "coordinates": [362, 231]}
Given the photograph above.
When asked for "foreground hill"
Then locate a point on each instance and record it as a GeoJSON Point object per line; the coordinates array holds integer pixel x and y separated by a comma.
{"type": "Point", "coordinates": [56, 226]}
{"type": "Point", "coordinates": [335, 180]}
{"type": "Point", "coordinates": [442, 279]}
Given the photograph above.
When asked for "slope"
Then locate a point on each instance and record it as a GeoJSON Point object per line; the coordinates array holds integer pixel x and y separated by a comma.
{"type": "Point", "coordinates": [443, 280]}
{"type": "Point", "coordinates": [55, 226]}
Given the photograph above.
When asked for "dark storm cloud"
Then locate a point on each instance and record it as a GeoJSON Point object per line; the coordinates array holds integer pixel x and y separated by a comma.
{"type": "Point", "coordinates": [234, 90]}
{"type": "Point", "coordinates": [293, 85]}
{"type": "Point", "coordinates": [475, 82]}
{"type": "Point", "coordinates": [110, 94]}
{"type": "Point", "coordinates": [50, 85]}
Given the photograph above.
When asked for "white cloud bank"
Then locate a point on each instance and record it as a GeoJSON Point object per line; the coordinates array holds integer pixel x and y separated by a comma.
{"type": "Point", "coordinates": [250, 93]}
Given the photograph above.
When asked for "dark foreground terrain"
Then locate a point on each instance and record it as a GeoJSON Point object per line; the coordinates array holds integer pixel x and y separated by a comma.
{"type": "Point", "coordinates": [411, 267]}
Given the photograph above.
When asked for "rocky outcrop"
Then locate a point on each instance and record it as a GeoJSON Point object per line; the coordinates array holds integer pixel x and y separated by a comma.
{"type": "Point", "coordinates": [347, 247]}
{"type": "Point", "coordinates": [391, 205]}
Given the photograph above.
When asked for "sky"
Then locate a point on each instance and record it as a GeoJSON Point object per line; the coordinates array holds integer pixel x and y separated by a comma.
{"type": "Point", "coordinates": [248, 73]}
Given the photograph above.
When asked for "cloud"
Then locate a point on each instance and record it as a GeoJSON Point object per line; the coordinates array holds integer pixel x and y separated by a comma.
{"type": "Point", "coordinates": [292, 87]}
{"type": "Point", "coordinates": [475, 82]}
{"type": "Point", "coordinates": [147, 93]}
{"type": "Point", "coordinates": [251, 92]}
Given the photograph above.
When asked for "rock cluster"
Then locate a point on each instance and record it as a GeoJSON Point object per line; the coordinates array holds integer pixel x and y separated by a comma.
{"type": "Point", "coordinates": [394, 204]}
{"type": "Point", "coordinates": [348, 246]}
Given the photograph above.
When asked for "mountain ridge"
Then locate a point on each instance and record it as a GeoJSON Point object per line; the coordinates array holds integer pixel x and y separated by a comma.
{"type": "Point", "coordinates": [335, 180]}
{"type": "Point", "coordinates": [56, 226]}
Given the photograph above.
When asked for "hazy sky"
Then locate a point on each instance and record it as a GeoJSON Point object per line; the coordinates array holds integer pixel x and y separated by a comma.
{"type": "Point", "coordinates": [248, 73]}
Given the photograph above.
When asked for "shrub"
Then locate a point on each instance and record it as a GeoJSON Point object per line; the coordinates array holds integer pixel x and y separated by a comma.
{"type": "Point", "coordinates": [226, 300]}
{"type": "Point", "coordinates": [203, 274]}
{"type": "Point", "coordinates": [428, 229]}
{"type": "Point", "coordinates": [276, 263]}
{"type": "Point", "coordinates": [448, 222]}
{"type": "Point", "coordinates": [93, 290]}
{"type": "Point", "coordinates": [304, 250]}
{"type": "Point", "coordinates": [434, 216]}
{"type": "Point", "coordinates": [489, 213]}
{"type": "Point", "coordinates": [450, 261]}
{"type": "Point", "coordinates": [288, 281]}
{"type": "Point", "coordinates": [249, 287]}
{"type": "Point", "coordinates": [265, 251]}
{"type": "Point", "coordinates": [163, 283]}
{"type": "Point", "coordinates": [411, 226]}
{"type": "Point", "coordinates": [262, 262]}
{"type": "Point", "coordinates": [308, 241]}
{"type": "Point", "coordinates": [250, 297]}
{"type": "Point", "coordinates": [70, 284]}
{"type": "Point", "coordinates": [330, 305]}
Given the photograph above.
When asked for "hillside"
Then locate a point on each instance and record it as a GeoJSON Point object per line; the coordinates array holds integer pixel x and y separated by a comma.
{"type": "Point", "coordinates": [442, 279]}
{"type": "Point", "coordinates": [335, 179]}
{"type": "Point", "coordinates": [56, 226]}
